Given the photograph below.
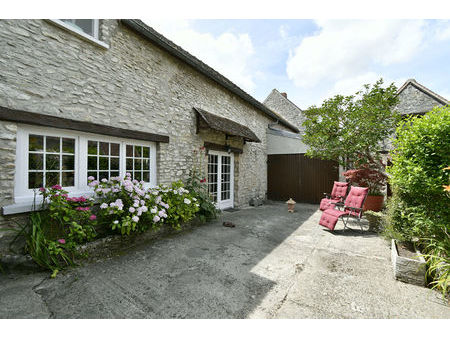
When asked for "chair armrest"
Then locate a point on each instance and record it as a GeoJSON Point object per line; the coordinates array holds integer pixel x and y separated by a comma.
{"type": "Point", "coordinates": [327, 195]}
{"type": "Point", "coordinates": [338, 204]}
{"type": "Point", "coordinates": [354, 209]}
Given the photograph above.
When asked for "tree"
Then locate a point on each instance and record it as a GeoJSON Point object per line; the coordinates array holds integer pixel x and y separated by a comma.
{"type": "Point", "coordinates": [351, 129]}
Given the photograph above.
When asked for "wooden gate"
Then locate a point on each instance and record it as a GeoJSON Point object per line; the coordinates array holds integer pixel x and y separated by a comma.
{"type": "Point", "coordinates": [297, 176]}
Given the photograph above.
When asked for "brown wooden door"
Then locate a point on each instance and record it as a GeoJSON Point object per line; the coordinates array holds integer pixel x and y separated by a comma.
{"type": "Point", "coordinates": [297, 176]}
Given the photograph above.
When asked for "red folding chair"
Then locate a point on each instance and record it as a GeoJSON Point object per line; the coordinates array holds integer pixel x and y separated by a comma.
{"type": "Point", "coordinates": [337, 195]}
{"type": "Point", "coordinates": [353, 207]}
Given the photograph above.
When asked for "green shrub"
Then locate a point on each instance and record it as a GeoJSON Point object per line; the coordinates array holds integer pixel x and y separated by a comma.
{"type": "Point", "coordinates": [198, 185]}
{"type": "Point", "coordinates": [419, 208]}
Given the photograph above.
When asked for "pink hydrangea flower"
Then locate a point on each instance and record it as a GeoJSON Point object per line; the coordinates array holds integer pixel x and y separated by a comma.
{"type": "Point", "coordinates": [62, 241]}
{"type": "Point", "coordinates": [57, 187]}
{"type": "Point", "coordinates": [91, 178]}
{"type": "Point", "coordinates": [92, 217]}
{"type": "Point", "coordinates": [41, 189]}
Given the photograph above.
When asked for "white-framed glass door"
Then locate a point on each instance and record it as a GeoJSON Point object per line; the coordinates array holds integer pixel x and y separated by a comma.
{"type": "Point", "coordinates": [221, 178]}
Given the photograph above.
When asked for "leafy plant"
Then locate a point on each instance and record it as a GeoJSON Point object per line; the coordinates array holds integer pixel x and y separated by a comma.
{"type": "Point", "coordinates": [352, 128]}
{"type": "Point", "coordinates": [368, 175]}
{"type": "Point", "coordinates": [418, 210]}
{"type": "Point", "coordinates": [198, 185]}
{"type": "Point", "coordinates": [126, 206]}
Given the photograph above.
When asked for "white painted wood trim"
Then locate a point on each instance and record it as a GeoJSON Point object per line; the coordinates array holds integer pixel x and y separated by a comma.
{"type": "Point", "coordinates": [80, 33]}
{"type": "Point", "coordinates": [24, 197]}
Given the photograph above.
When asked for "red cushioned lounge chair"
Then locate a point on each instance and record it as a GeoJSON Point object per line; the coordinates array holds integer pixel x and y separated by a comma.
{"type": "Point", "coordinates": [351, 208]}
{"type": "Point", "coordinates": [337, 195]}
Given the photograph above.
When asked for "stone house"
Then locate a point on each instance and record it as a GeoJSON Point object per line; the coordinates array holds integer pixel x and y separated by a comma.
{"type": "Point", "coordinates": [105, 97]}
{"type": "Point", "coordinates": [416, 99]}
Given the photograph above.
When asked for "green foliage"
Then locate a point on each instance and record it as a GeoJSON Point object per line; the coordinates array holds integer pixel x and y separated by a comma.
{"type": "Point", "coordinates": [197, 184]}
{"type": "Point", "coordinates": [183, 204]}
{"type": "Point", "coordinates": [352, 128]}
{"type": "Point", "coordinates": [419, 209]}
{"type": "Point", "coordinates": [47, 253]}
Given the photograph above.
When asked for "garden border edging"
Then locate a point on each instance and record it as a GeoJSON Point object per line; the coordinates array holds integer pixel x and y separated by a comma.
{"type": "Point", "coordinates": [408, 270]}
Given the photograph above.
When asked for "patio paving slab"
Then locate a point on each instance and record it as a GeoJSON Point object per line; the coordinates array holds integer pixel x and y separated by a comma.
{"type": "Point", "coordinates": [271, 265]}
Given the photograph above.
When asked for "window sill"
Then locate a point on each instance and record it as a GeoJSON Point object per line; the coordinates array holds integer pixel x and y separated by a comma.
{"type": "Point", "coordinates": [78, 33]}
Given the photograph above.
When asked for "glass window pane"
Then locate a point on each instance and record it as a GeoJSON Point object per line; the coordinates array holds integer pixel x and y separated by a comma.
{"type": "Point", "coordinates": [146, 176]}
{"type": "Point", "coordinates": [103, 163]}
{"type": "Point", "coordinates": [35, 180]}
{"type": "Point", "coordinates": [146, 152]}
{"type": "Point", "coordinates": [68, 162]}
{"type": "Point", "coordinates": [86, 25]}
{"type": "Point", "coordinates": [92, 147]}
{"type": "Point", "coordinates": [52, 162]}
{"type": "Point", "coordinates": [137, 151]}
{"type": "Point", "coordinates": [146, 165]}
{"type": "Point", "coordinates": [114, 174]}
{"type": "Point", "coordinates": [35, 161]}
{"type": "Point", "coordinates": [114, 149]}
{"type": "Point", "coordinates": [114, 163]}
{"type": "Point", "coordinates": [68, 179]}
{"type": "Point", "coordinates": [129, 151]}
{"type": "Point", "coordinates": [138, 175]}
{"type": "Point", "coordinates": [36, 143]}
{"type": "Point", "coordinates": [129, 166]}
{"type": "Point", "coordinates": [68, 145]}
{"type": "Point", "coordinates": [92, 163]}
{"type": "Point", "coordinates": [52, 144]}
{"type": "Point", "coordinates": [51, 179]}
{"type": "Point", "coordinates": [137, 164]}
{"type": "Point", "coordinates": [104, 148]}
{"type": "Point", "coordinates": [102, 175]}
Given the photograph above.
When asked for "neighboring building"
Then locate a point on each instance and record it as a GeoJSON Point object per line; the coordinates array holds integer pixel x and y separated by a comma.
{"type": "Point", "coordinates": [281, 141]}
{"type": "Point", "coordinates": [105, 97]}
{"type": "Point", "coordinates": [291, 174]}
{"type": "Point", "coordinates": [414, 99]}
{"type": "Point", "coordinates": [417, 99]}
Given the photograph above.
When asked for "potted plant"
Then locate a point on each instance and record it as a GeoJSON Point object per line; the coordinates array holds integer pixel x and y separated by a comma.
{"type": "Point", "coordinates": [371, 175]}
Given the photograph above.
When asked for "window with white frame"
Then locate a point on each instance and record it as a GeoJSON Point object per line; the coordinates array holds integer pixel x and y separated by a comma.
{"type": "Point", "coordinates": [48, 156]}
{"type": "Point", "coordinates": [87, 26]}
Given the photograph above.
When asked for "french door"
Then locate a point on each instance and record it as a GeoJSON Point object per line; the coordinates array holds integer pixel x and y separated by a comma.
{"type": "Point", "coordinates": [221, 178]}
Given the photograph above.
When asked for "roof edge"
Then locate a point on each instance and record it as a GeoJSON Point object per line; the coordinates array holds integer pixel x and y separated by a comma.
{"type": "Point", "coordinates": [178, 52]}
{"type": "Point", "coordinates": [424, 90]}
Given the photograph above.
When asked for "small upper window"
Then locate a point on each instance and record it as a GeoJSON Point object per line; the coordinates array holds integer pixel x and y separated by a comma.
{"type": "Point", "coordinates": [88, 26]}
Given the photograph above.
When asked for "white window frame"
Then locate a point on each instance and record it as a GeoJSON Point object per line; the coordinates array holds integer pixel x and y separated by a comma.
{"type": "Point", "coordinates": [80, 33]}
{"type": "Point", "coordinates": [24, 197]}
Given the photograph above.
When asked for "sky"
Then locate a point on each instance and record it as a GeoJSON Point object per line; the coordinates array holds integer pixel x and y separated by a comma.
{"type": "Point", "coordinates": [312, 60]}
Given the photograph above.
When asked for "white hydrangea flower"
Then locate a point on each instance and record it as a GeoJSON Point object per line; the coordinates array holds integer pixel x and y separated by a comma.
{"type": "Point", "coordinates": [103, 206]}
{"type": "Point", "coordinates": [187, 201]}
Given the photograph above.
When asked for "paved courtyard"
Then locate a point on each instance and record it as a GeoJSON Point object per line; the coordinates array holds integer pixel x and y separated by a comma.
{"type": "Point", "coordinates": [271, 265]}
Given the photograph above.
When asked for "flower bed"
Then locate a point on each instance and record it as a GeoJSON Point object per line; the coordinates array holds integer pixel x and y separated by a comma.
{"type": "Point", "coordinates": [63, 224]}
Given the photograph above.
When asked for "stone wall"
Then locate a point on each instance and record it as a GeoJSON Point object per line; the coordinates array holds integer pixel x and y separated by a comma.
{"type": "Point", "coordinates": [413, 100]}
{"type": "Point", "coordinates": [285, 108]}
{"type": "Point", "coordinates": [133, 85]}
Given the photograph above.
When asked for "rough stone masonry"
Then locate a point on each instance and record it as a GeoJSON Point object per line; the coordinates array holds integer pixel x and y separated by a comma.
{"type": "Point", "coordinates": [133, 84]}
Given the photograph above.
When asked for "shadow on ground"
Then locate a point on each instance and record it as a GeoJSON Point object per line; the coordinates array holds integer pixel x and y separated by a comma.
{"type": "Point", "coordinates": [204, 273]}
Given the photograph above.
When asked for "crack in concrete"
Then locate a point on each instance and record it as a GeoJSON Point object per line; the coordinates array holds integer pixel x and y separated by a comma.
{"type": "Point", "coordinates": [44, 301]}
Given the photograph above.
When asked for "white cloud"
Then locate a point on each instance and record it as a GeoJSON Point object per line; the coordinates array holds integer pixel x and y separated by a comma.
{"type": "Point", "coordinates": [230, 54]}
{"type": "Point", "coordinates": [351, 85]}
{"type": "Point", "coordinates": [443, 31]}
{"type": "Point", "coordinates": [342, 50]}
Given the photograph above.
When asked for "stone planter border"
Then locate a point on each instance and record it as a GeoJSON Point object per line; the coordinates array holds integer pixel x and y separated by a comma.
{"type": "Point", "coordinates": [408, 270]}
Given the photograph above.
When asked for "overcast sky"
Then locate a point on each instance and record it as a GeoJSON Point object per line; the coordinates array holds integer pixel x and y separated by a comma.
{"type": "Point", "coordinates": [315, 59]}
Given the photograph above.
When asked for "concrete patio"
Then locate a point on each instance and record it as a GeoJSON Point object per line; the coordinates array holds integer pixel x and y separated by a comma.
{"type": "Point", "coordinates": [271, 265]}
